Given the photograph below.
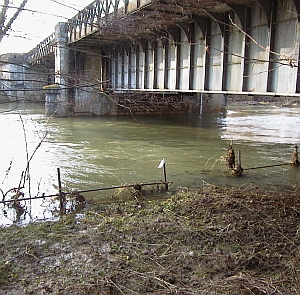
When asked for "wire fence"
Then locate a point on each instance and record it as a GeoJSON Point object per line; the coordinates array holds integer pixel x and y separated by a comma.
{"type": "Point", "coordinates": [62, 194]}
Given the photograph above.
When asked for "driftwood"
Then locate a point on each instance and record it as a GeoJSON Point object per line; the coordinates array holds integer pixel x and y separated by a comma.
{"type": "Point", "coordinates": [237, 169]}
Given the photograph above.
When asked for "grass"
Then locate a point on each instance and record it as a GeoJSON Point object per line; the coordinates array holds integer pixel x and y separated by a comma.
{"type": "Point", "coordinates": [219, 241]}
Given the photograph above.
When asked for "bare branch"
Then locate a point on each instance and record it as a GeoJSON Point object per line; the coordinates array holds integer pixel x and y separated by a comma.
{"type": "Point", "coordinates": [4, 28]}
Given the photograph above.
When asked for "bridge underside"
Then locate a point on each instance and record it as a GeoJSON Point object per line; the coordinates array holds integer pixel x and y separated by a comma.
{"type": "Point", "coordinates": [155, 17]}
{"type": "Point", "coordinates": [194, 48]}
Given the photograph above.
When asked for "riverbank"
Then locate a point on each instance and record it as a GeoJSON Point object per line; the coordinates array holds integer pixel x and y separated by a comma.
{"type": "Point", "coordinates": [210, 241]}
{"type": "Point", "coordinates": [263, 100]}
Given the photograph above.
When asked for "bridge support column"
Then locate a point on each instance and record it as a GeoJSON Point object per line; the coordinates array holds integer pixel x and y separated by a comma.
{"type": "Point", "coordinates": [60, 97]}
{"type": "Point", "coordinates": [54, 105]}
{"type": "Point", "coordinates": [212, 102]}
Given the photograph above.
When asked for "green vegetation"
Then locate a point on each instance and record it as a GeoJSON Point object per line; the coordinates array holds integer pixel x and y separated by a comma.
{"type": "Point", "coordinates": [51, 86]}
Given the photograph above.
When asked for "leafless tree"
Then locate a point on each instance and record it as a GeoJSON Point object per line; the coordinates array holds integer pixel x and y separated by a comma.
{"type": "Point", "coordinates": [6, 21]}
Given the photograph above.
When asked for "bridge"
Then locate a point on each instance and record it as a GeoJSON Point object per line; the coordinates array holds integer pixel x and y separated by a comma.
{"type": "Point", "coordinates": [158, 56]}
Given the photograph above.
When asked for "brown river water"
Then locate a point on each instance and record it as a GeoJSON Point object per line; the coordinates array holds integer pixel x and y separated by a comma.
{"type": "Point", "coordinates": [96, 152]}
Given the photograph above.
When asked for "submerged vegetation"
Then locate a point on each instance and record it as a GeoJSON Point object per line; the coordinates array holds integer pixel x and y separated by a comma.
{"type": "Point", "coordinates": [213, 241]}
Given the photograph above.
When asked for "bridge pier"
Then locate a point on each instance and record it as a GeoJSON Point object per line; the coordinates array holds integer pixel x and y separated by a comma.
{"type": "Point", "coordinates": [55, 103]}
{"type": "Point", "coordinates": [102, 106]}
{"type": "Point", "coordinates": [143, 103]}
{"type": "Point", "coordinates": [212, 102]}
{"type": "Point", "coordinates": [51, 97]}
{"type": "Point", "coordinates": [56, 100]}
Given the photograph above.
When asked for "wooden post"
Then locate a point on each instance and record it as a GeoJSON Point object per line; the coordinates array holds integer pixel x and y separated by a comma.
{"type": "Point", "coordinates": [162, 164]}
{"type": "Point", "coordinates": [238, 170]}
{"type": "Point", "coordinates": [295, 160]}
{"type": "Point", "coordinates": [61, 197]}
{"type": "Point", "coordinates": [239, 158]}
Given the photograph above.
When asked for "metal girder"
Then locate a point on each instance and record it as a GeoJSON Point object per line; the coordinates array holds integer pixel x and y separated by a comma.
{"type": "Point", "coordinates": [202, 23]}
{"type": "Point", "coordinates": [175, 33]}
{"type": "Point", "coordinates": [113, 22]}
{"type": "Point", "coordinates": [156, 15]}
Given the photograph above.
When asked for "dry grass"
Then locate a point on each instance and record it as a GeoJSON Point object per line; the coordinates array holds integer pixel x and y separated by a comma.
{"type": "Point", "coordinates": [214, 242]}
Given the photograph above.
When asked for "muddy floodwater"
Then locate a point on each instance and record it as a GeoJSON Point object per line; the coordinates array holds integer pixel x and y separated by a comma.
{"type": "Point", "coordinates": [94, 152]}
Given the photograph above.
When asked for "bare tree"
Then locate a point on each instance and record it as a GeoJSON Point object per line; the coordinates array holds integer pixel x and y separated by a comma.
{"type": "Point", "coordinates": [5, 21]}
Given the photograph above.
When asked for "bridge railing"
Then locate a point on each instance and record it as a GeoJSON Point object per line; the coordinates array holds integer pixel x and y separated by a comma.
{"type": "Point", "coordinates": [91, 19]}
{"type": "Point", "coordinates": [99, 14]}
{"type": "Point", "coordinates": [45, 48]}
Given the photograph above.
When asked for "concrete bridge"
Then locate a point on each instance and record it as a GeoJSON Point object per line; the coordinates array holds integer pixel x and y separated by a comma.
{"type": "Point", "coordinates": [164, 56]}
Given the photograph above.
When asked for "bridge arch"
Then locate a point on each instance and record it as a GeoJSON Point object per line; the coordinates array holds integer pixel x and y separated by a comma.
{"type": "Point", "coordinates": [234, 53]}
{"type": "Point", "coordinates": [266, 7]}
{"type": "Point", "coordinates": [198, 56]}
{"type": "Point", "coordinates": [257, 51]}
{"type": "Point", "coordinates": [284, 48]}
{"type": "Point", "coordinates": [184, 51]}
{"type": "Point", "coordinates": [141, 65]}
{"type": "Point", "coordinates": [159, 65]}
{"type": "Point", "coordinates": [199, 48]}
{"type": "Point", "coordinates": [132, 63]}
{"type": "Point", "coordinates": [125, 66]}
{"type": "Point", "coordinates": [149, 66]}
{"type": "Point", "coordinates": [215, 56]}
{"type": "Point", "coordinates": [121, 60]}
{"type": "Point", "coordinates": [297, 6]}
{"type": "Point", "coordinates": [171, 61]}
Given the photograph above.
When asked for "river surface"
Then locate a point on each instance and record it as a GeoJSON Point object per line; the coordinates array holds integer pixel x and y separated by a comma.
{"type": "Point", "coordinates": [97, 152]}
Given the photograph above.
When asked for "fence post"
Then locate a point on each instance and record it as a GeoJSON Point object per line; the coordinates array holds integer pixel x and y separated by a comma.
{"type": "Point", "coordinates": [162, 164]}
{"type": "Point", "coordinates": [61, 194]}
{"type": "Point", "coordinates": [165, 177]}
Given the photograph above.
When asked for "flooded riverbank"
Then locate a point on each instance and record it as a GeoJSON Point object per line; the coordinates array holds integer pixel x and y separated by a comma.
{"type": "Point", "coordinates": [94, 152]}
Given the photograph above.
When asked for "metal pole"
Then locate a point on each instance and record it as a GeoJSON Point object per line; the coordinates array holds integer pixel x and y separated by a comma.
{"type": "Point", "coordinates": [61, 197]}
{"type": "Point", "coordinates": [165, 177]}
{"type": "Point", "coordinates": [59, 181]}
{"type": "Point", "coordinates": [84, 191]}
{"type": "Point", "coordinates": [268, 166]}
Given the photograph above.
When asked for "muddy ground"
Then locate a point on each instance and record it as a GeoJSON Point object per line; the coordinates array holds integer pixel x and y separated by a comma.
{"type": "Point", "coordinates": [211, 241]}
